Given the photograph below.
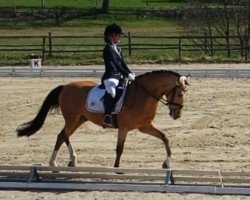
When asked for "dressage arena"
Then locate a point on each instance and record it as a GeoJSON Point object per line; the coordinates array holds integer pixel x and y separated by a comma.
{"type": "Point", "coordinates": [212, 135]}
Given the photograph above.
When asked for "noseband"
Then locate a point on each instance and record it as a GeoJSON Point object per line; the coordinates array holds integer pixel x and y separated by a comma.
{"type": "Point", "coordinates": [171, 102]}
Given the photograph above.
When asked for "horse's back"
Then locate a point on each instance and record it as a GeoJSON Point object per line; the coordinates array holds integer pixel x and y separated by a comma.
{"type": "Point", "coordinates": [81, 84]}
{"type": "Point", "coordinates": [75, 93]}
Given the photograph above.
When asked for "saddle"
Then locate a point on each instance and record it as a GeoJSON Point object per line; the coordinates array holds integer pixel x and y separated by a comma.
{"type": "Point", "coordinates": [95, 97]}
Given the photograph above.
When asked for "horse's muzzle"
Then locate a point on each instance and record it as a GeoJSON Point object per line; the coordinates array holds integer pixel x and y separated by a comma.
{"type": "Point", "coordinates": [175, 114]}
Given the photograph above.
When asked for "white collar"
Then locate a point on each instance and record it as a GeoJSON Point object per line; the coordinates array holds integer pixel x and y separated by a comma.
{"type": "Point", "coordinates": [114, 46]}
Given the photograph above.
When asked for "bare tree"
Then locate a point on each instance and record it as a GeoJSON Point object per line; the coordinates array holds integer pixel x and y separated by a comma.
{"type": "Point", "coordinates": [241, 18]}
{"type": "Point", "coordinates": [223, 21]}
{"type": "Point", "coordinates": [105, 6]}
{"type": "Point", "coordinates": [221, 18]}
{"type": "Point", "coordinates": [198, 20]}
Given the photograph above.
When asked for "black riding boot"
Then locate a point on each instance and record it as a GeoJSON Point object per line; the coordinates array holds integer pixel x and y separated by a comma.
{"type": "Point", "coordinates": [108, 109]}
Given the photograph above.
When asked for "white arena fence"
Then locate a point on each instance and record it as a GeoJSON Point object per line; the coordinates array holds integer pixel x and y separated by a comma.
{"type": "Point", "coordinates": [40, 177]}
{"type": "Point", "coordinates": [95, 72]}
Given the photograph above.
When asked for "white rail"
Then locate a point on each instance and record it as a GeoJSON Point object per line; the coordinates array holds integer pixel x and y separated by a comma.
{"type": "Point", "coordinates": [124, 179]}
{"type": "Point", "coordinates": [95, 72]}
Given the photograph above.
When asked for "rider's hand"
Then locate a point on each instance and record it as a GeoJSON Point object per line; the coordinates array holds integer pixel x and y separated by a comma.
{"type": "Point", "coordinates": [131, 76]}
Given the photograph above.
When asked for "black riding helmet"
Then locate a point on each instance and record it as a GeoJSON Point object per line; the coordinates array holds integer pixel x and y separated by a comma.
{"type": "Point", "coordinates": [113, 28]}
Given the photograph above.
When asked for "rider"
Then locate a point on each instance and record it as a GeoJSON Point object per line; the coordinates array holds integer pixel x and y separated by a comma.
{"type": "Point", "coordinates": [115, 69]}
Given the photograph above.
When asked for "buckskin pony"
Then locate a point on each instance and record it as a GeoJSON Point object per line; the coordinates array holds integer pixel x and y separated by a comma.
{"type": "Point", "coordinates": [139, 109]}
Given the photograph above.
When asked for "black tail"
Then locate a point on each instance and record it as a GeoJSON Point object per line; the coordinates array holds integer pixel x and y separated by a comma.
{"type": "Point", "coordinates": [51, 101]}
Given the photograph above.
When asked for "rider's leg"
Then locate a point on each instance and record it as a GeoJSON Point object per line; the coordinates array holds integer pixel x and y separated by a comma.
{"type": "Point", "coordinates": [108, 101]}
{"type": "Point", "coordinates": [109, 108]}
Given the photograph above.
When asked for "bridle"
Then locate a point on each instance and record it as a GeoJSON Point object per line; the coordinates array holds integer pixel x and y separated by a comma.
{"type": "Point", "coordinates": [171, 102]}
{"type": "Point", "coordinates": [165, 101]}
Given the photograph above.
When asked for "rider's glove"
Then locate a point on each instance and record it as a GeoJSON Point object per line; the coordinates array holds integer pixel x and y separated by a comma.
{"type": "Point", "coordinates": [131, 76]}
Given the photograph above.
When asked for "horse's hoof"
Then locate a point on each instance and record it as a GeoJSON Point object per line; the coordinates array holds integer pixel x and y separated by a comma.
{"type": "Point", "coordinates": [164, 165]}
{"type": "Point", "coordinates": [72, 164]}
{"type": "Point", "coordinates": [167, 163]}
{"type": "Point", "coordinates": [52, 164]}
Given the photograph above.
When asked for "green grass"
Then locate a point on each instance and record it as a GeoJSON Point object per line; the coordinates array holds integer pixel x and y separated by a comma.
{"type": "Point", "coordinates": [91, 3]}
{"type": "Point", "coordinates": [86, 27]}
{"type": "Point", "coordinates": [143, 27]}
{"type": "Point", "coordinates": [48, 3]}
{"type": "Point", "coordinates": [82, 58]}
{"type": "Point", "coordinates": [91, 27]}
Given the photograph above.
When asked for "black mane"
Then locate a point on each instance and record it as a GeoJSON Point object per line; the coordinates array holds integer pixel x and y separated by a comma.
{"type": "Point", "coordinates": [160, 71]}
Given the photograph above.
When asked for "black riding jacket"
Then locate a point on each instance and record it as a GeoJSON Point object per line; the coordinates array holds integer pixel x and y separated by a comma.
{"type": "Point", "coordinates": [115, 66]}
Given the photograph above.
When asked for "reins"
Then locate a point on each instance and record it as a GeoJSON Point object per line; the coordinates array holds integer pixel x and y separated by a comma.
{"type": "Point", "coordinates": [161, 99]}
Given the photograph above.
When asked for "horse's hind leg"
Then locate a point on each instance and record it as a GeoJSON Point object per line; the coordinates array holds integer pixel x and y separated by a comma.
{"type": "Point", "coordinates": [151, 130]}
{"type": "Point", "coordinates": [58, 144]}
{"type": "Point", "coordinates": [72, 154]}
{"type": "Point", "coordinates": [70, 127]}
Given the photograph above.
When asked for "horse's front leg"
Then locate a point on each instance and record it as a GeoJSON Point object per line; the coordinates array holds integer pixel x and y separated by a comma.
{"type": "Point", "coordinates": [151, 130]}
{"type": "Point", "coordinates": [122, 134]}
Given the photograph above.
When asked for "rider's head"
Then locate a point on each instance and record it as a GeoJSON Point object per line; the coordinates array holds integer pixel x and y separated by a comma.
{"type": "Point", "coordinates": [111, 31]}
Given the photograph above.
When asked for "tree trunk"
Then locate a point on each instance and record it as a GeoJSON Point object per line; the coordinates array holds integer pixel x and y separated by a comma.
{"type": "Point", "coordinates": [105, 6]}
{"type": "Point", "coordinates": [227, 28]}
{"type": "Point", "coordinates": [248, 30]}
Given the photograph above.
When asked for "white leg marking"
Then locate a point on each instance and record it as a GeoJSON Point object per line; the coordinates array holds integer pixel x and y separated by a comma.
{"type": "Point", "coordinates": [72, 154]}
{"type": "Point", "coordinates": [52, 161]}
{"type": "Point", "coordinates": [168, 161]}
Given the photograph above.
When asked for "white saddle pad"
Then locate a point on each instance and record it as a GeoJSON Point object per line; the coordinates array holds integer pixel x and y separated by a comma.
{"type": "Point", "coordinates": [94, 101]}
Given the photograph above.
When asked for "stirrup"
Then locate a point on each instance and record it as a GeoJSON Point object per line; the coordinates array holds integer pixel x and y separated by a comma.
{"type": "Point", "coordinates": [107, 121]}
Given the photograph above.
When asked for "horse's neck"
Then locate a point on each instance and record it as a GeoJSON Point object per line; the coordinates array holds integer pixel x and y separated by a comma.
{"type": "Point", "coordinates": [157, 85]}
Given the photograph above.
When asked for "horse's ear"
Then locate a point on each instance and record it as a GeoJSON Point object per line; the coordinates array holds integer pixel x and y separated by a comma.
{"type": "Point", "coordinates": [188, 79]}
{"type": "Point", "coordinates": [183, 82]}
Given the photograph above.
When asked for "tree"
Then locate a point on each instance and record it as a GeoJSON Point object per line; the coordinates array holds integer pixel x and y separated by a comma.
{"type": "Point", "coordinates": [242, 23]}
{"type": "Point", "coordinates": [220, 18]}
{"type": "Point", "coordinates": [105, 6]}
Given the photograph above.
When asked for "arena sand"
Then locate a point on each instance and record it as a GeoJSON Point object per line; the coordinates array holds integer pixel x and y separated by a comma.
{"type": "Point", "coordinates": [213, 134]}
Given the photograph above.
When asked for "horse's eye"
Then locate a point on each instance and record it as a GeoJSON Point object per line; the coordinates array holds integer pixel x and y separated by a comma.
{"type": "Point", "coordinates": [180, 95]}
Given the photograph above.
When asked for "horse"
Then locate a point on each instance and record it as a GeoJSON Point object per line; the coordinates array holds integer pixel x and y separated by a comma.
{"type": "Point", "coordinates": [138, 111]}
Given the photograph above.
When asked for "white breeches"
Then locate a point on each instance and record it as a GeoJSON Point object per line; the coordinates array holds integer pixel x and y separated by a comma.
{"type": "Point", "coordinates": [110, 85]}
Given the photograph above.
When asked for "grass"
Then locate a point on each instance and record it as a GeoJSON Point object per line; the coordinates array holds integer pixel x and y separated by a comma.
{"type": "Point", "coordinates": [92, 3]}
{"type": "Point", "coordinates": [155, 27]}
{"type": "Point", "coordinates": [93, 27]}
{"type": "Point", "coordinates": [85, 27]}
{"type": "Point", "coordinates": [90, 27]}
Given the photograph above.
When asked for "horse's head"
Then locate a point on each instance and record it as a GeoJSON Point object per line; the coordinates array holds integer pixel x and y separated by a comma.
{"type": "Point", "coordinates": [175, 97]}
